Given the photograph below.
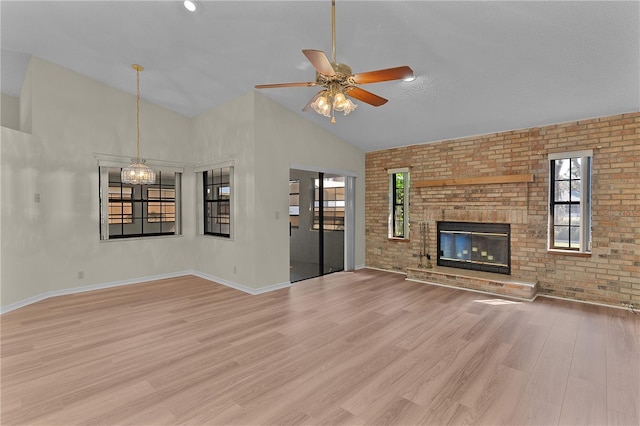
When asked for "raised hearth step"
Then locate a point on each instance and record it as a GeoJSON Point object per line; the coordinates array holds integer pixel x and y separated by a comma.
{"type": "Point", "coordinates": [499, 284]}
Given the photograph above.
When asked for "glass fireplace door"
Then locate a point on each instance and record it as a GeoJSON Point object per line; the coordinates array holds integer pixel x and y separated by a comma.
{"type": "Point", "coordinates": [478, 246]}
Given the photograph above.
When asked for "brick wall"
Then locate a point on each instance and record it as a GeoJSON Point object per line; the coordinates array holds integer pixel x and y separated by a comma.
{"type": "Point", "coordinates": [611, 274]}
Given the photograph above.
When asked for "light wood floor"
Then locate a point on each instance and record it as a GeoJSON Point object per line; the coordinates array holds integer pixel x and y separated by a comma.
{"type": "Point", "coordinates": [349, 348]}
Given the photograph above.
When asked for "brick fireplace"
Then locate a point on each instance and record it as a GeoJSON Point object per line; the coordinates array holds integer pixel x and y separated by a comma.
{"type": "Point", "coordinates": [488, 179]}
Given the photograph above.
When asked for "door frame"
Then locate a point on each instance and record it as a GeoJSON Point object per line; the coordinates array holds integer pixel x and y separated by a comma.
{"type": "Point", "coordinates": [350, 209]}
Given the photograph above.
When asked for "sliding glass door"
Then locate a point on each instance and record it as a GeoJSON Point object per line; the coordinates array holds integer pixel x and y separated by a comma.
{"type": "Point", "coordinates": [317, 204]}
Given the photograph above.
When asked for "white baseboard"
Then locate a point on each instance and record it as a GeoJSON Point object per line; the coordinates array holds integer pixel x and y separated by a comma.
{"type": "Point", "coordinates": [241, 287]}
{"type": "Point", "coordinates": [604, 305]}
{"type": "Point", "coordinates": [74, 290]}
{"type": "Point", "coordinates": [386, 270]}
{"type": "Point", "coordinates": [23, 303]}
{"type": "Point", "coordinates": [236, 286]}
{"type": "Point", "coordinates": [139, 280]}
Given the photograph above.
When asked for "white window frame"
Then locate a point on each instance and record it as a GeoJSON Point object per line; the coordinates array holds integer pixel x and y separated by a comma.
{"type": "Point", "coordinates": [407, 180]}
{"type": "Point", "coordinates": [199, 169]}
{"type": "Point", "coordinates": [104, 162]}
{"type": "Point", "coordinates": [586, 168]}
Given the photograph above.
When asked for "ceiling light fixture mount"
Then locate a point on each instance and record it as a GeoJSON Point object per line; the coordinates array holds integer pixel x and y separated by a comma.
{"type": "Point", "coordinates": [138, 172]}
{"type": "Point", "coordinates": [191, 5]}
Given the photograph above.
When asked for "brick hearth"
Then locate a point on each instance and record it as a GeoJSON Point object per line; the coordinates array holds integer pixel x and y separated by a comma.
{"type": "Point", "coordinates": [499, 284]}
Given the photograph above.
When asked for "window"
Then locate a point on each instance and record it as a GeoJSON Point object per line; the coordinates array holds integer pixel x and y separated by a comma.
{"type": "Point", "coordinates": [138, 210]}
{"type": "Point", "coordinates": [162, 205]}
{"type": "Point", "coordinates": [333, 203]}
{"type": "Point", "coordinates": [570, 201]}
{"type": "Point", "coordinates": [120, 204]}
{"type": "Point", "coordinates": [399, 203]}
{"type": "Point", "coordinates": [294, 203]}
{"type": "Point", "coordinates": [217, 201]}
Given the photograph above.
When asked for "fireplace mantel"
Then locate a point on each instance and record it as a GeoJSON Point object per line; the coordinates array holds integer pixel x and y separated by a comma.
{"type": "Point", "coordinates": [478, 180]}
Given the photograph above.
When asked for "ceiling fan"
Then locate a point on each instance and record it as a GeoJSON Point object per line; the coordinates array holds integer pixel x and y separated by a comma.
{"type": "Point", "coordinates": [338, 80]}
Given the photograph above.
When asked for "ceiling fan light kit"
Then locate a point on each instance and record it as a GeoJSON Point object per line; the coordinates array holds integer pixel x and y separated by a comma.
{"type": "Point", "coordinates": [339, 82]}
{"type": "Point", "coordinates": [331, 100]}
{"type": "Point", "coordinates": [138, 172]}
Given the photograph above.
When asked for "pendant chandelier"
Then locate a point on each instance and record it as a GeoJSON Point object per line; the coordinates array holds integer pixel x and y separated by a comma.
{"type": "Point", "coordinates": [138, 173]}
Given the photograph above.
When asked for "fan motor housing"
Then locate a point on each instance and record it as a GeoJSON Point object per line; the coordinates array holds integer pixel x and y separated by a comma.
{"type": "Point", "coordinates": [343, 73]}
{"type": "Point", "coordinates": [342, 69]}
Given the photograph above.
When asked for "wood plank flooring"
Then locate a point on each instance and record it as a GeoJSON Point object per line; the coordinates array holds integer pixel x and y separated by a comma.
{"type": "Point", "coordinates": [355, 348]}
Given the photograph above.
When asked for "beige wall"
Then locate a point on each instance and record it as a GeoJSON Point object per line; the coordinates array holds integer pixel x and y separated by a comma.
{"type": "Point", "coordinates": [26, 105]}
{"type": "Point", "coordinates": [10, 112]}
{"type": "Point", "coordinates": [66, 119]}
{"type": "Point", "coordinates": [263, 139]}
{"type": "Point", "coordinates": [46, 244]}
{"type": "Point", "coordinates": [21, 224]}
{"type": "Point", "coordinates": [611, 274]}
{"type": "Point", "coordinates": [226, 135]}
{"type": "Point", "coordinates": [283, 140]}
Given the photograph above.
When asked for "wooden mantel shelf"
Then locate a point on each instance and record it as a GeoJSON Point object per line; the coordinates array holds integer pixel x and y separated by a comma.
{"type": "Point", "coordinates": [479, 180]}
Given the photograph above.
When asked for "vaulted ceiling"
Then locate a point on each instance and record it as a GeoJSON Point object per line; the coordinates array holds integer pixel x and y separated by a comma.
{"type": "Point", "coordinates": [481, 67]}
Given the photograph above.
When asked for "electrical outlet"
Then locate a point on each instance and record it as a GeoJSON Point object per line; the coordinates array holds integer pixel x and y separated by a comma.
{"type": "Point", "coordinates": [81, 275]}
{"type": "Point", "coordinates": [36, 198]}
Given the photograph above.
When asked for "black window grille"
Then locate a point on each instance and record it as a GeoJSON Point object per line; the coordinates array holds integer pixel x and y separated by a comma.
{"type": "Point", "coordinates": [141, 210]}
{"type": "Point", "coordinates": [398, 193]}
{"type": "Point", "coordinates": [569, 203]}
{"type": "Point", "coordinates": [217, 201]}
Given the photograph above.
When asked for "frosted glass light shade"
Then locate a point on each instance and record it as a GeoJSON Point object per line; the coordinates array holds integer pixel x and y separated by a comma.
{"type": "Point", "coordinates": [321, 106]}
{"type": "Point", "coordinates": [342, 103]}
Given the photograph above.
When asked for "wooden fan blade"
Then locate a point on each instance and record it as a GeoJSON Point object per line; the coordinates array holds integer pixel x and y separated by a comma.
{"type": "Point", "coordinates": [272, 86]}
{"type": "Point", "coordinates": [364, 96]}
{"type": "Point", "coordinates": [319, 61]}
{"type": "Point", "coordinates": [308, 105]}
{"type": "Point", "coordinates": [397, 73]}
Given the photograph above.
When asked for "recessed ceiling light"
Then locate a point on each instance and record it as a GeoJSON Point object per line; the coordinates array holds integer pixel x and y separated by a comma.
{"type": "Point", "coordinates": [191, 5]}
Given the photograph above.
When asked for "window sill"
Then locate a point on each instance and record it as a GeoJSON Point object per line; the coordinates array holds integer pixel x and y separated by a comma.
{"type": "Point", "coordinates": [215, 237]}
{"type": "Point", "coordinates": [399, 240]}
{"type": "Point", "coordinates": [569, 253]}
{"type": "Point", "coordinates": [150, 237]}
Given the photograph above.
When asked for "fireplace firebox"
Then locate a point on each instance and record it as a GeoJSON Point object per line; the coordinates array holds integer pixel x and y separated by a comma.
{"type": "Point", "coordinates": [477, 246]}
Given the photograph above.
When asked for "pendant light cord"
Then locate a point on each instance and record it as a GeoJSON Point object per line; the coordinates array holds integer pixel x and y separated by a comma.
{"type": "Point", "coordinates": [137, 173]}
{"type": "Point", "coordinates": [138, 69]}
